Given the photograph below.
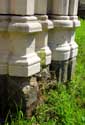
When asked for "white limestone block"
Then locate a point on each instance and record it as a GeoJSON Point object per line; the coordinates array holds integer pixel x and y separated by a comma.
{"type": "Point", "coordinates": [60, 7]}
{"type": "Point", "coordinates": [4, 45]}
{"type": "Point", "coordinates": [40, 7]}
{"type": "Point", "coordinates": [4, 6]}
{"type": "Point", "coordinates": [25, 24]}
{"type": "Point", "coordinates": [23, 61]}
{"type": "Point", "coordinates": [73, 7]}
{"type": "Point", "coordinates": [22, 7]}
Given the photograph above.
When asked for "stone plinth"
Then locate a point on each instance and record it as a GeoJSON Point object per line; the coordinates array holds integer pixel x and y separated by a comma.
{"type": "Point", "coordinates": [42, 38]}
{"type": "Point", "coordinates": [22, 7]}
{"type": "Point", "coordinates": [4, 44]}
{"type": "Point", "coordinates": [23, 59]}
{"type": "Point", "coordinates": [58, 42]}
{"type": "Point", "coordinates": [49, 6]}
{"type": "Point", "coordinates": [42, 47]}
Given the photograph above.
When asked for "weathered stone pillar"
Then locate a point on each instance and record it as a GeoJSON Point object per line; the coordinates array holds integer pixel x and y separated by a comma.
{"type": "Point", "coordinates": [22, 7]}
{"type": "Point", "coordinates": [63, 24]}
{"type": "Point", "coordinates": [40, 7]}
{"type": "Point", "coordinates": [49, 6]}
{"type": "Point", "coordinates": [4, 41]}
{"type": "Point", "coordinates": [42, 47]}
{"type": "Point", "coordinates": [73, 9]}
{"type": "Point", "coordinates": [4, 45]}
{"type": "Point", "coordinates": [73, 48]}
{"type": "Point", "coordinates": [58, 42]}
{"type": "Point", "coordinates": [4, 6]}
{"type": "Point", "coordinates": [24, 46]}
{"type": "Point", "coordinates": [60, 7]}
{"type": "Point", "coordinates": [23, 59]}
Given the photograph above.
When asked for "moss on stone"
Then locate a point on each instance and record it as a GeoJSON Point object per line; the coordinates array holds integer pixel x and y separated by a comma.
{"type": "Point", "coordinates": [42, 56]}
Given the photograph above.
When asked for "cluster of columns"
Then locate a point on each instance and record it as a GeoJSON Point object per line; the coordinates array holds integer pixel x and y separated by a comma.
{"type": "Point", "coordinates": [36, 33]}
{"type": "Point", "coordinates": [62, 37]}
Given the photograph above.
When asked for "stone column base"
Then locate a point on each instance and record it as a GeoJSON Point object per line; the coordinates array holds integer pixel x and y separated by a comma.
{"type": "Point", "coordinates": [24, 67]}
{"type": "Point", "coordinates": [23, 60]}
{"type": "Point", "coordinates": [71, 68]}
{"type": "Point", "coordinates": [60, 68]}
{"type": "Point", "coordinates": [63, 70]}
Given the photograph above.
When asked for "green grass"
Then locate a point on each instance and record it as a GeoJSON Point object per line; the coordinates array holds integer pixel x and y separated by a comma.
{"type": "Point", "coordinates": [63, 104]}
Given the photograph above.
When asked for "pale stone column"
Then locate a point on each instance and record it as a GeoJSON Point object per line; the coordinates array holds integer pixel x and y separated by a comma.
{"type": "Point", "coordinates": [40, 7]}
{"type": "Point", "coordinates": [58, 42]}
{"type": "Point", "coordinates": [64, 13]}
{"type": "Point", "coordinates": [22, 7]}
{"type": "Point", "coordinates": [73, 49]}
{"type": "Point", "coordinates": [60, 7]}
{"type": "Point", "coordinates": [42, 38]}
{"type": "Point", "coordinates": [42, 47]}
{"type": "Point", "coordinates": [49, 6]}
{"type": "Point", "coordinates": [4, 45]}
{"type": "Point", "coordinates": [58, 10]}
{"type": "Point", "coordinates": [73, 7]}
{"type": "Point", "coordinates": [23, 61]}
{"type": "Point", "coordinates": [71, 38]}
{"type": "Point", "coordinates": [22, 38]}
{"type": "Point", "coordinates": [4, 6]}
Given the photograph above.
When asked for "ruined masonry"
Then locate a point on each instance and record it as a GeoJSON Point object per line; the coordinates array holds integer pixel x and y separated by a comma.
{"type": "Point", "coordinates": [36, 34]}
